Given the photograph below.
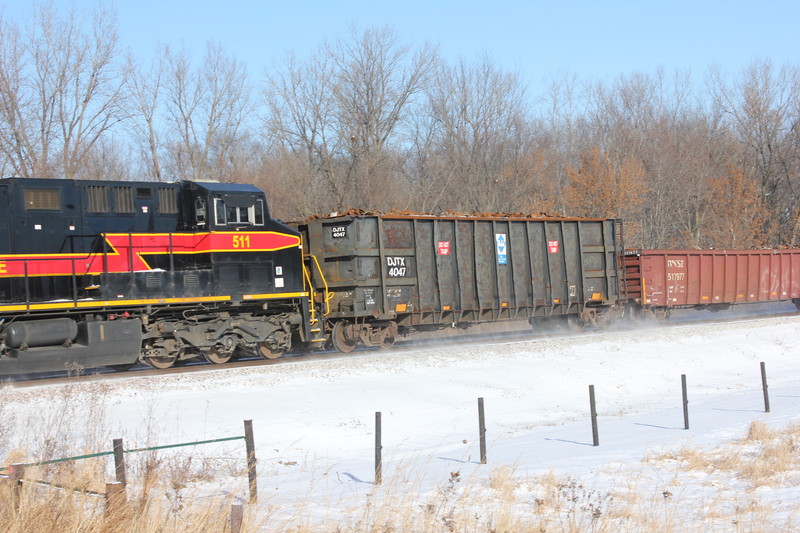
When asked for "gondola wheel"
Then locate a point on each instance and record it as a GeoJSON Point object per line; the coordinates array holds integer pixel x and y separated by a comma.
{"type": "Point", "coordinates": [387, 342]}
{"type": "Point", "coordinates": [575, 323]}
{"type": "Point", "coordinates": [217, 356]}
{"type": "Point", "coordinates": [339, 338]}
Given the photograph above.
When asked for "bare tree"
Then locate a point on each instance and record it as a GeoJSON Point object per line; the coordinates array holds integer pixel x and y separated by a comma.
{"type": "Point", "coordinates": [734, 212]}
{"type": "Point", "coordinates": [145, 90]}
{"type": "Point", "coordinates": [206, 109]}
{"type": "Point", "coordinates": [375, 79]}
{"type": "Point", "coordinates": [602, 187]}
{"type": "Point", "coordinates": [560, 127]}
{"type": "Point", "coordinates": [60, 91]}
{"type": "Point", "coordinates": [481, 138]}
{"type": "Point", "coordinates": [657, 120]}
{"type": "Point", "coordinates": [762, 108]}
{"type": "Point", "coordinates": [339, 113]}
{"type": "Point", "coordinates": [300, 127]}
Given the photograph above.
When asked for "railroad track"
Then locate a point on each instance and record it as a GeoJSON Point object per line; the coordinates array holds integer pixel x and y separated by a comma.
{"type": "Point", "coordinates": [524, 333]}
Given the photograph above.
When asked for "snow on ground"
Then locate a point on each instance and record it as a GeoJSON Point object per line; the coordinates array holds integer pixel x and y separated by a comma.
{"type": "Point", "coordinates": [314, 420]}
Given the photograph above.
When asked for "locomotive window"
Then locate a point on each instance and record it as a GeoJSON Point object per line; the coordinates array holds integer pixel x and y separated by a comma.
{"type": "Point", "coordinates": [231, 214]}
{"type": "Point", "coordinates": [219, 212]}
{"type": "Point", "coordinates": [49, 199]}
{"type": "Point", "coordinates": [258, 213]}
{"type": "Point", "coordinates": [141, 192]}
{"type": "Point", "coordinates": [167, 200]}
{"type": "Point", "coordinates": [237, 215]}
{"type": "Point", "coordinates": [98, 198]}
{"type": "Point", "coordinates": [200, 211]}
{"type": "Point", "coordinates": [123, 199]}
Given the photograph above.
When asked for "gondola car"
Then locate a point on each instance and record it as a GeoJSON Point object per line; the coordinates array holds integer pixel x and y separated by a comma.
{"type": "Point", "coordinates": [388, 274]}
{"type": "Point", "coordinates": [658, 281]}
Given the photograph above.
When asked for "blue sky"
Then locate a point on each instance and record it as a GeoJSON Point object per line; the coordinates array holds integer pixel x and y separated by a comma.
{"type": "Point", "coordinates": [593, 40]}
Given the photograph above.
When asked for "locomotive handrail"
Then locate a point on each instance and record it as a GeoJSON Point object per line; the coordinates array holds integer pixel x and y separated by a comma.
{"type": "Point", "coordinates": [328, 294]}
{"type": "Point", "coordinates": [312, 310]}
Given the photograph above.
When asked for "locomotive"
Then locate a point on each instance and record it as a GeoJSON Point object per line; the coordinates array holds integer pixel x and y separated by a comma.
{"type": "Point", "coordinates": [105, 273]}
{"type": "Point", "coordinates": [102, 273]}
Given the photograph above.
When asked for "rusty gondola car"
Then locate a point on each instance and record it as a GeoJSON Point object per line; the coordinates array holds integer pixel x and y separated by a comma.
{"type": "Point", "coordinates": [658, 281]}
{"type": "Point", "coordinates": [381, 274]}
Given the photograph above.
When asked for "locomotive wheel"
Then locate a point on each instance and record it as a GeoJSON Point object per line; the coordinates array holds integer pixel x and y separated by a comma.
{"type": "Point", "coordinates": [162, 362]}
{"type": "Point", "coordinates": [217, 356]}
{"type": "Point", "coordinates": [339, 338]}
{"type": "Point", "coordinates": [266, 352]}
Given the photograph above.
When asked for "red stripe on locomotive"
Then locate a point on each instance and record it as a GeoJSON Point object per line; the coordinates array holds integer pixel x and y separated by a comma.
{"type": "Point", "coordinates": [131, 247]}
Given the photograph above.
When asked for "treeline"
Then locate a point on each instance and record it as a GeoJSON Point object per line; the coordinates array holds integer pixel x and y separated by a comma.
{"type": "Point", "coordinates": [370, 121]}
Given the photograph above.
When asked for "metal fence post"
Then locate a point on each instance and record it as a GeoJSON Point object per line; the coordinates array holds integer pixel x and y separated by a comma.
{"type": "Point", "coordinates": [593, 410]}
{"type": "Point", "coordinates": [378, 448]}
{"type": "Point", "coordinates": [251, 459]}
{"type": "Point", "coordinates": [764, 386]}
{"type": "Point", "coordinates": [685, 402]}
{"type": "Point", "coordinates": [482, 430]}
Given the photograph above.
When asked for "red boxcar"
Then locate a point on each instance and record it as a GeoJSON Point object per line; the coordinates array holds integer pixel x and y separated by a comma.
{"type": "Point", "coordinates": [658, 280]}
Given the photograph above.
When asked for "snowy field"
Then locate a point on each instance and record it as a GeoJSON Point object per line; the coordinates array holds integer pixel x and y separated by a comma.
{"type": "Point", "coordinates": [314, 421]}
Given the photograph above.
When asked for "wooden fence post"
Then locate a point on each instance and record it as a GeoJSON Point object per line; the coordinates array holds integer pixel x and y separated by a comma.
{"type": "Point", "coordinates": [237, 517]}
{"type": "Point", "coordinates": [115, 497]}
{"type": "Point", "coordinates": [482, 430]}
{"type": "Point", "coordinates": [764, 386]}
{"type": "Point", "coordinates": [593, 411]}
{"type": "Point", "coordinates": [119, 461]}
{"type": "Point", "coordinates": [378, 448]}
{"type": "Point", "coordinates": [15, 475]}
{"type": "Point", "coordinates": [685, 402]}
{"type": "Point", "coordinates": [251, 459]}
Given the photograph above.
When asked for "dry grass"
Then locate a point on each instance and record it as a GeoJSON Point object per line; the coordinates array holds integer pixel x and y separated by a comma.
{"type": "Point", "coordinates": [163, 501]}
{"type": "Point", "coordinates": [763, 457]}
{"type": "Point", "coordinates": [688, 489]}
{"type": "Point", "coordinates": [167, 491]}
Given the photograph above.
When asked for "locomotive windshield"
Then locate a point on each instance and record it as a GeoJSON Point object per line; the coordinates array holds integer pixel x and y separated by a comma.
{"type": "Point", "coordinates": [238, 210]}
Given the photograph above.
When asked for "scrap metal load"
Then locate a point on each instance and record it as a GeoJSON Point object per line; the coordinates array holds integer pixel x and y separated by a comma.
{"type": "Point", "coordinates": [396, 273]}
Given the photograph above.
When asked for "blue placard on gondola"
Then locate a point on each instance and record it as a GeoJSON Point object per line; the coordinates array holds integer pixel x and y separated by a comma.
{"type": "Point", "coordinates": [500, 240]}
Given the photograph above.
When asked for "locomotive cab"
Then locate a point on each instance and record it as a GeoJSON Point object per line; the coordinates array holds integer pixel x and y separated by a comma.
{"type": "Point", "coordinates": [213, 206]}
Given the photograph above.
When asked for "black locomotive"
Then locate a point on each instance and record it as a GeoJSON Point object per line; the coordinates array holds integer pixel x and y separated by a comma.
{"type": "Point", "coordinates": [102, 273]}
